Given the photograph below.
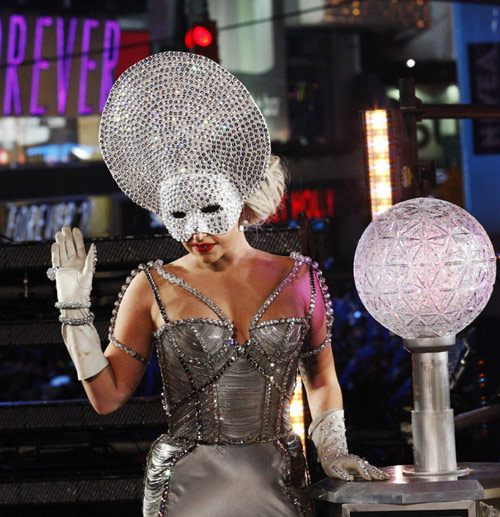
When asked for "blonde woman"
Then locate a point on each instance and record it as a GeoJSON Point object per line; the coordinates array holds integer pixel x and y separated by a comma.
{"type": "Point", "coordinates": [231, 324]}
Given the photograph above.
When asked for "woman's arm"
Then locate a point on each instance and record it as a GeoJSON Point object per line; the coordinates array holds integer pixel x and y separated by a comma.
{"type": "Point", "coordinates": [321, 382]}
{"type": "Point", "coordinates": [318, 369]}
{"type": "Point", "coordinates": [327, 429]}
{"type": "Point", "coordinates": [112, 387]}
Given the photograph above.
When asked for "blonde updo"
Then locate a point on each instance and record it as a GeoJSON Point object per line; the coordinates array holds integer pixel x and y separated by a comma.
{"type": "Point", "coordinates": [268, 199]}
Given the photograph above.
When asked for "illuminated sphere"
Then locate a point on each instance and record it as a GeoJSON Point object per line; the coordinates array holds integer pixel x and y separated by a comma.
{"type": "Point", "coordinates": [424, 268]}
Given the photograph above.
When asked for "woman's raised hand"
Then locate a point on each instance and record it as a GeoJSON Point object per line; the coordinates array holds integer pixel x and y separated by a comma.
{"type": "Point", "coordinates": [73, 268]}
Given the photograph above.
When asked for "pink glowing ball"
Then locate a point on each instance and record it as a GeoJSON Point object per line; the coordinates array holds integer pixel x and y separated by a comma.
{"type": "Point", "coordinates": [424, 268]}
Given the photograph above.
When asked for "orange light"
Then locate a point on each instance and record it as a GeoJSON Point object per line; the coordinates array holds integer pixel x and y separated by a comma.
{"type": "Point", "coordinates": [202, 37]}
{"type": "Point", "coordinates": [379, 165]}
{"type": "Point", "coordinates": [4, 157]}
{"type": "Point", "coordinates": [297, 412]}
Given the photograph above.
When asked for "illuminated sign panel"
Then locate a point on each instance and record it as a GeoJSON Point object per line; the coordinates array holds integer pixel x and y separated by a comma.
{"type": "Point", "coordinates": [53, 66]}
{"type": "Point", "coordinates": [315, 202]}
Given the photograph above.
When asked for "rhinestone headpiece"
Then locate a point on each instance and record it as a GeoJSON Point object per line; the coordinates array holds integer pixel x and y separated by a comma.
{"type": "Point", "coordinates": [174, 115]}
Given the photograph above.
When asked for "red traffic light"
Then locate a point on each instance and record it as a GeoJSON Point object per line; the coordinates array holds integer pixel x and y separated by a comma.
{"type": "Point", "coordinates": [188, 40]}
{"type": "Point", "coordinates": [202, 37]}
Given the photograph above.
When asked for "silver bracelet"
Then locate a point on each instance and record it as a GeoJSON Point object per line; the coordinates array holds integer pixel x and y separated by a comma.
{"type": "Point", "coordinates": [72, 305]}
{"type": "Point", "coordinates": [75, 322]}
{"type": "Point", "coordinates": [127, 350]}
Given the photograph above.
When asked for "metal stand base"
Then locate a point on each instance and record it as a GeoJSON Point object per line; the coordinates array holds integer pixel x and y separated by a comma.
{"type": "Point", "coordinates": [449, 476]}
{"type": "Point", "coordinates": [482, 484]}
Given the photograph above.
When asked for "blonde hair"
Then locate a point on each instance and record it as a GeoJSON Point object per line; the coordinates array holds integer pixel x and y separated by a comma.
{"type": "Point", "coordinates": [268, 199]}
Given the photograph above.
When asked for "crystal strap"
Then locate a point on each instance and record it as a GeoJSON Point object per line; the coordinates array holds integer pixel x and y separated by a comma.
{"type": "Point", "coordinates": [111, 334]}
{"type": "Point", "coordinates": [180, 282]}
{"type": "Point", "coordinates": [72, 305]}
{"type": "Point", "coordinates": [326, 300]}
{"type": "Point", "coordinates": [128, 350]}
{"type": "Point", "coordinates": [312, 303]}
{"type": "Point", "coordinates": [156, 292]}
{"type": "Point", "coordinates": [75, 322]}
{"type": "Point", "coordinates": [133, 273]}
{"type": "Point", "coordinates": [316, 350]}
{"type": "Point", "coordinates": [298, 261]}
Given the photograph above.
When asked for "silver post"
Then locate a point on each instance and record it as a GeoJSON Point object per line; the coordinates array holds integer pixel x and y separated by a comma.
{"type": "Point", "coordinates": [432, 418]}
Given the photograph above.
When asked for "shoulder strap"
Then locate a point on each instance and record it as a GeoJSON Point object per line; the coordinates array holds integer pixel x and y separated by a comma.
{"type": "Point", "coordinates": [190, 289]}
{"type": "Point", "coordinates": [312, 302]}
{"type": "Point", "coordinates": [156, 292]}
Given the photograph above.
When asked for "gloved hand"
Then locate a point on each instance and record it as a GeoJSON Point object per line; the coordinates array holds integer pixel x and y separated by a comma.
{"type": "Point", "coordinates": [73, 270]}
{"type": "Point", "coordinates": [327, 431]}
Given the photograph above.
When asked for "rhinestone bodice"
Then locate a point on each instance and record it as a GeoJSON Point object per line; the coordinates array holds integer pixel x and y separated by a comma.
{"type": "Point", "coordinates": [217, 390]}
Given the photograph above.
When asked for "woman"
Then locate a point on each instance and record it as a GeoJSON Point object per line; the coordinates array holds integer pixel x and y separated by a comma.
{"type": "Point", "coordinates": [231, 323]}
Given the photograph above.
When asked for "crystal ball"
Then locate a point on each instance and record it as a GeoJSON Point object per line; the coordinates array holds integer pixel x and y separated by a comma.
{"type": "Point", "coordinates": [425, 268]}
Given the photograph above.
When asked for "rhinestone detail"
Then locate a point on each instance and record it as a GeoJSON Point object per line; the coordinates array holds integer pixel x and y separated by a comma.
{"type": "Point", "coordinates": [76, 322]}
{"type": "Point", "coordinates": [176, 113]}
{"type": "Point", "coordinates": [328, 307]}
{"type": "Point", "coordinates": [128, 350]}
{"type": "Point", "coordinates": [111, 335]}
{"type": "Point", "coordinates": [72, 305]}
{"type": "Point", "coordinates": [278, 365]}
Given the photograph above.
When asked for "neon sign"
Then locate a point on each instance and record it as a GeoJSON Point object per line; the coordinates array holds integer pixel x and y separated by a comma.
{"type": "Point", "coordinates": [56, 65]}
{"type": "Point", "coordinates": [315, 202]}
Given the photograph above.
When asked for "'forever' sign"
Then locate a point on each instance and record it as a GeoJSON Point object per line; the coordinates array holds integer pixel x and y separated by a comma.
{"type": "Point", "coordinates": [56, 65]}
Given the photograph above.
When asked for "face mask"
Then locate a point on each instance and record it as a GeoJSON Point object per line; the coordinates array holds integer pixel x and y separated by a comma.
{"type": "Point", "coordinates": [193, 203]}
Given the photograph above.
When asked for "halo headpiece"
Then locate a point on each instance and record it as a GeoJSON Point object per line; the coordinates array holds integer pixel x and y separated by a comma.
{"type": "Point", "coordinates": [173, 119]}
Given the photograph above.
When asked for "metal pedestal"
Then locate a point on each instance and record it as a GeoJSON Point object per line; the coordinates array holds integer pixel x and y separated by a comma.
{"type": "Point", "coordinates": [450, 496]}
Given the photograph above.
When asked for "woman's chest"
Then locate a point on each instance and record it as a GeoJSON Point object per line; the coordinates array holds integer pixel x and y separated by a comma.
{"type": "Point", "coordinates": [241, 301]}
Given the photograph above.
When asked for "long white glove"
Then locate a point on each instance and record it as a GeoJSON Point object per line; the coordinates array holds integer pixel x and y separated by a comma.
{"type": "Point", "coordinates": [73, 270]}
{"type": "Point", "coordinates": [327, 431]}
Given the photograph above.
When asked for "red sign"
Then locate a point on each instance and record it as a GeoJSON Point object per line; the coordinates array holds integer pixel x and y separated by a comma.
{"type": "Point", "coordinates": [315, 202]}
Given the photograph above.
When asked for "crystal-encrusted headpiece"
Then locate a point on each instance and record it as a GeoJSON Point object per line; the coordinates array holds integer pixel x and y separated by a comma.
{"type": "Point", "coordinates": [176, 114]}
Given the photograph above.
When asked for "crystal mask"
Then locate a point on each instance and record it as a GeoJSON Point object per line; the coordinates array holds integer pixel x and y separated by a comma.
{"type": "Point", "coordinates": [193, 203]}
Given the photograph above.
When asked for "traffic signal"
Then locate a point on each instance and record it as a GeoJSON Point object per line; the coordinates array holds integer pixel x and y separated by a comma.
{"type": "Point", "coordinates": [202, 39]}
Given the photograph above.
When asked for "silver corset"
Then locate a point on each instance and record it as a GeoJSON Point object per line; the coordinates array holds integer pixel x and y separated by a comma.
{"type": "Point", "coordinates": [217, 390]}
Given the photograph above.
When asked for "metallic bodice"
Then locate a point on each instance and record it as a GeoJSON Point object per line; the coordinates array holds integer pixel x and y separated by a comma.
{"type": "Point", "coordinates": [217, 390]}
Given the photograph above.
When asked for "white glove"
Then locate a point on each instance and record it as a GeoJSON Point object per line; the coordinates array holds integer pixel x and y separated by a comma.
{"type": "Point", "coordinates": [327, 431]}
{"type": "Point", "coordinates": [73, 271]}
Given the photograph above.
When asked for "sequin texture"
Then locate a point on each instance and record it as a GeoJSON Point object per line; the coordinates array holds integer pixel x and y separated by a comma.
{"type": "Point", "coordinates": [175, 114]}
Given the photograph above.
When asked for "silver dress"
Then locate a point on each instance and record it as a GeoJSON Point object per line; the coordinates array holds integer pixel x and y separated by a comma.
{"type": "Point", "coordinates": [229, 449]}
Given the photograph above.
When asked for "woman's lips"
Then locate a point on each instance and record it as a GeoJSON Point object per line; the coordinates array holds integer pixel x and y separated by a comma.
{"type": "Point", "coordinates": [203, 248]}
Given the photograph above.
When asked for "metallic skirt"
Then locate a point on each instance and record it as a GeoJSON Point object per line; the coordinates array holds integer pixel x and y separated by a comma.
{"type": "Point", "coordinates": [184, 478]}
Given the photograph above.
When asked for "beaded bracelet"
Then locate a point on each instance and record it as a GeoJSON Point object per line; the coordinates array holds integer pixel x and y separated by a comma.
{"type": "Point", "coordinates": [75, 322]}
{"type": "Point", "coordinates": [72, 305]}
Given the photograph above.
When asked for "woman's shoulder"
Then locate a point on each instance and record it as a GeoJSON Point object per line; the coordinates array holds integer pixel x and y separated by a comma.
{"type": "Point", "coordinates": [158, 267]}
{"type": "Point", "coordinates": [293, 265]}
